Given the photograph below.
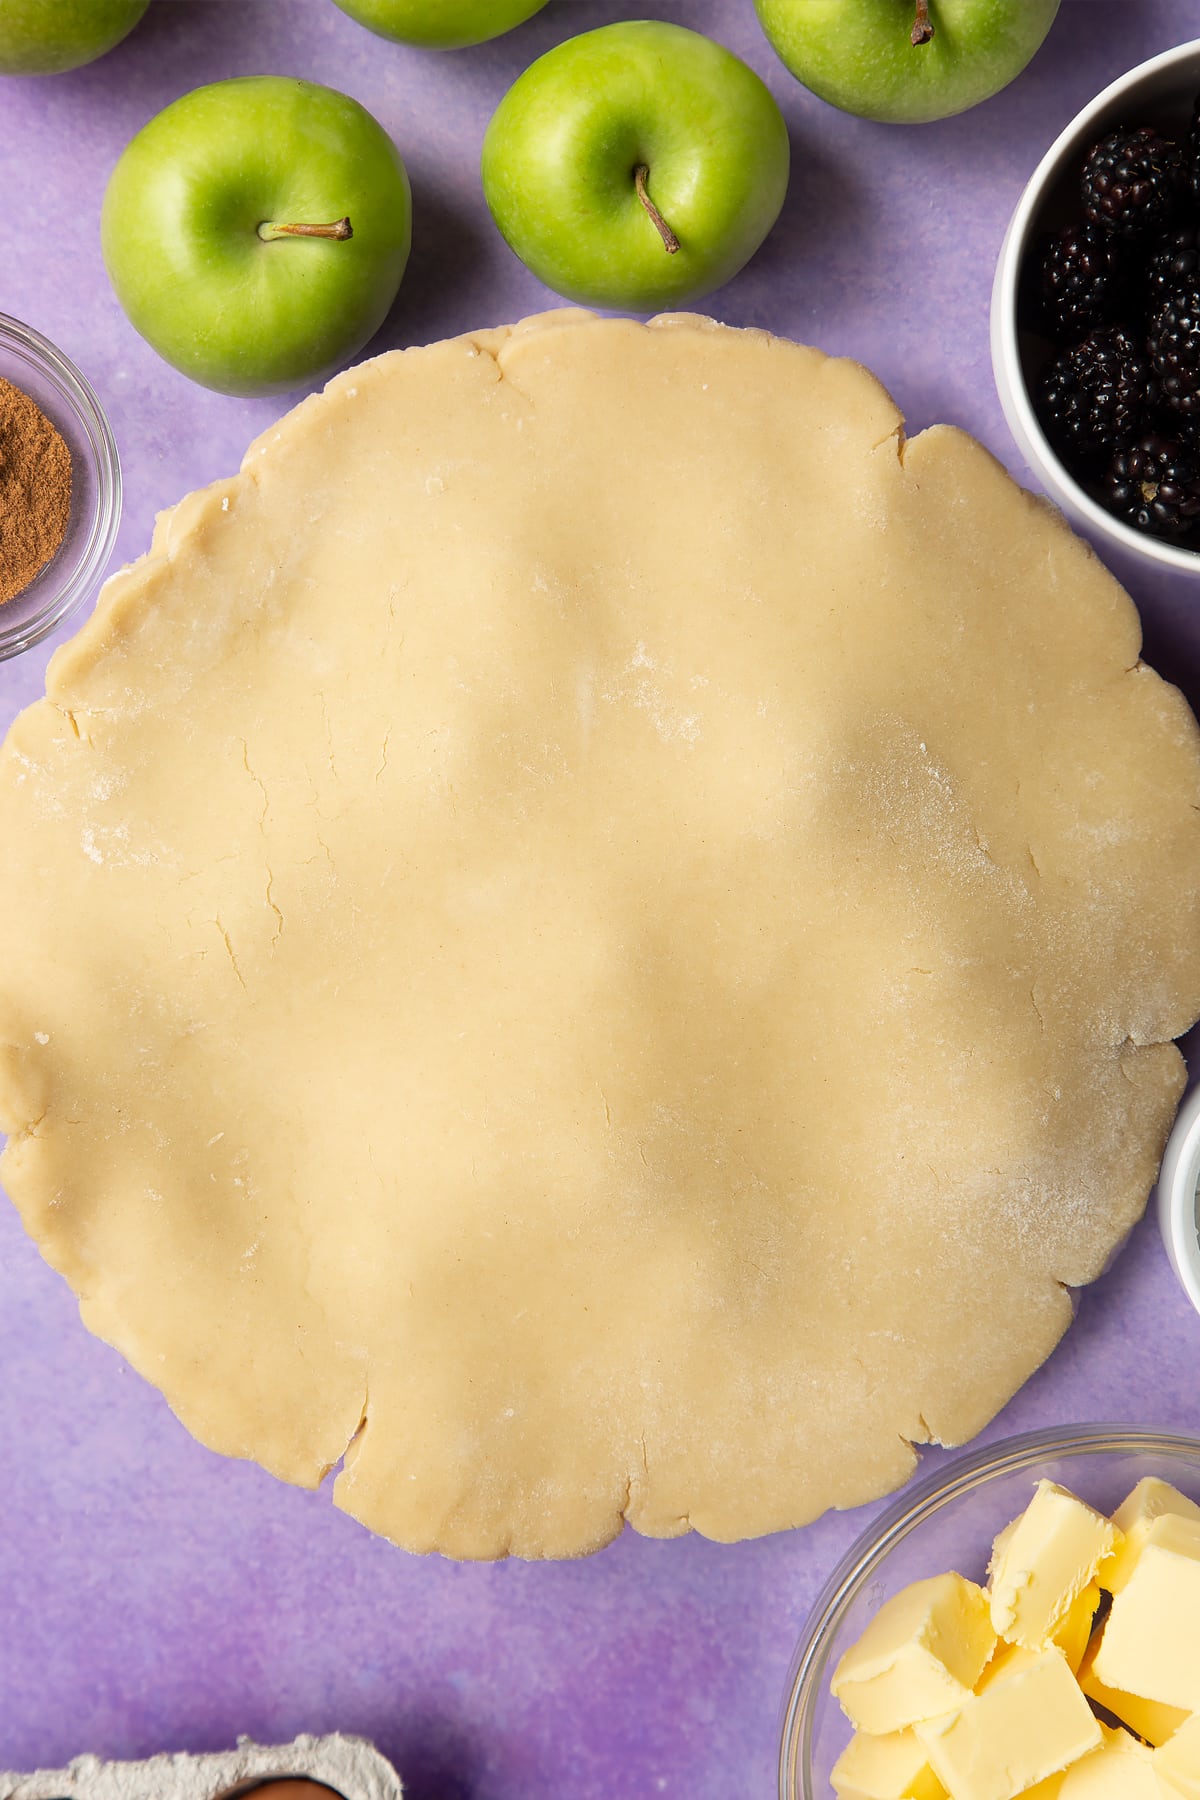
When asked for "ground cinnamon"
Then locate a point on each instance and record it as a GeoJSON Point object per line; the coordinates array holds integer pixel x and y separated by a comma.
{"type": "Point", "coordinates": [35, 490]}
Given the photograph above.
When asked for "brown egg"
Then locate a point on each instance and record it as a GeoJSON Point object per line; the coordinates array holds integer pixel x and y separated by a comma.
{"type": "Point", "coordinates": [291, 1787]}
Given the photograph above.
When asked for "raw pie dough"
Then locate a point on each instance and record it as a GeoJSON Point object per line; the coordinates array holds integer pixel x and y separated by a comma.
{"type": "Point", "coordinates": [601, 930]}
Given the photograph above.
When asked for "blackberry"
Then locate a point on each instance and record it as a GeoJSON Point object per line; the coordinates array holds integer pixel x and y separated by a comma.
{"type": "Point", "coordinates": [1080, 282]}
{"type": "Point", "coordinates": [1174, 260]}
{"type": "Point", "coordinates": [1132, 181]}
{"type": "Point", "coordinates": [1174, 345]}
{"type": "Point", "coordinates": [1154, 485]}
{"type": "Point", "coordinates": [1092, 397]}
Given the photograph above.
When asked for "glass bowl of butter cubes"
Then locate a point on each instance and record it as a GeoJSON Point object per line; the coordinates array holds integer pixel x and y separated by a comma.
{"type": "Point", "coordinates": [1024, 1625]}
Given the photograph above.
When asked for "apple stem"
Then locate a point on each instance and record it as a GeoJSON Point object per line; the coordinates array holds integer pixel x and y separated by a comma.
{"type": "Point", "coordinates": [670, 241]}
{"type": "Point", "coordinates": [922, 29]}
{"type": "Point", "coordinates": [340, 229]}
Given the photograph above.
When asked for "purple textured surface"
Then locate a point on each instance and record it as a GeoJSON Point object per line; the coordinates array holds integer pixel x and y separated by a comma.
{"type": "Point", "coordinates": [154, 1596]}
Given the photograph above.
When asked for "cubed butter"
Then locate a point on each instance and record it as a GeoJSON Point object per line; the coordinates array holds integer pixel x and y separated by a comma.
{"type": "Point", "coordinates": [1050, 1789]}
{"type": "Point", "coordinates": [1149, 1718]}
{"type": "Point", "coordinates": [1151, 1643]}
{"type": "Point", "coordinates": [921, 1655]}
{"type": "Point", "coordinates": [894, 1767]}
{"type": "Point", "coordinates": [1121, 1769]}
{"type": "Point", "coordinates": [1000, 1544]}
{"type": "Point", "coordinates": [1150, 1499]}
{"type": "Point", "coordinates": [1073, 1633]}
{"type": "Point", "coordinates": [1071, 1637]}
{"type": "Point", "coordinates": [1177, 1763]}
{"type": "Point", "coordinates": [1026, 1726]}
{"type": "Point", "coordinates": [1005, 1659]}
{"type": "Point", "coordinates": [1043, 1562]}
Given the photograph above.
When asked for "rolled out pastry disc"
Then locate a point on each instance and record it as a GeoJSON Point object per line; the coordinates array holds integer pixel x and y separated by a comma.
{"type": "Point", "coordinates": [597, 935]}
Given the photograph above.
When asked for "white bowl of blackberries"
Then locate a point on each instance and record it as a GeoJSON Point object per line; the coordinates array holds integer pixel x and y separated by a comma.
{"type": "Point", "coordinates": [1096, 314]}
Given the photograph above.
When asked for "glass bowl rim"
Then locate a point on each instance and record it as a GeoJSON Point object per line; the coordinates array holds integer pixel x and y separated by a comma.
{"type": "Point", "coordinates": [926, 1497]}
{"type": "Point", "coordinates": [105, 513]}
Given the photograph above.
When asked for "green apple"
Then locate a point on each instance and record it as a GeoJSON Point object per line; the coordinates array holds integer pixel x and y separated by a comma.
{"type": "Point", "coordinates": [440, 24]}
{"type": "Point", "coordinates": [46, 37]}
{"type": "Point", "coordinates": [256, 231]}
{"type": "Point", "coordinates": [906, 61]}
{"type": "Point", "coordinates": [638, 165]}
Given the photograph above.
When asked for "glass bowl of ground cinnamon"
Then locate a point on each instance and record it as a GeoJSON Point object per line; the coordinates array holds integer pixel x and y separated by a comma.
{"type": "Point", "coordinates": [60, 488]}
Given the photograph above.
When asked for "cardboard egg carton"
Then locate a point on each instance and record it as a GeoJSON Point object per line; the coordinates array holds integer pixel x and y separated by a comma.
{"type": "Point", "coordinates": [349, 1765]}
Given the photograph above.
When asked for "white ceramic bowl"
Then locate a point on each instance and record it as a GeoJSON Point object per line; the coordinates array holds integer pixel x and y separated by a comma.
{"type": "Point", "coordinates": [1178, 1205]}
{"type": "Point", "coordinates": [1160, 93]}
